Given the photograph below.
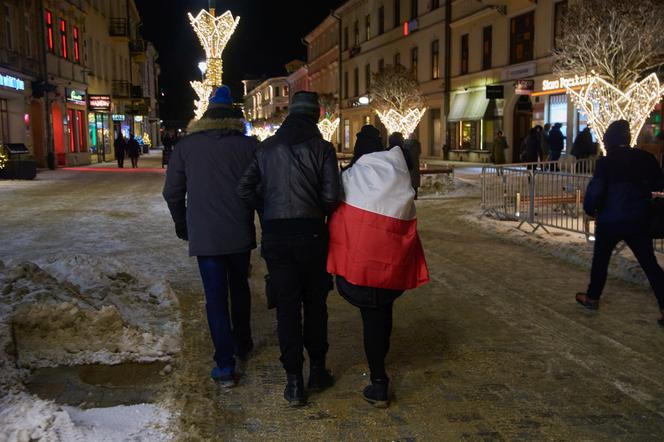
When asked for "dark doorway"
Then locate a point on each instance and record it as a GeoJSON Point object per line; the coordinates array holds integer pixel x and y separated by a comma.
{"type": "Point", "coordinates": [523, 121]}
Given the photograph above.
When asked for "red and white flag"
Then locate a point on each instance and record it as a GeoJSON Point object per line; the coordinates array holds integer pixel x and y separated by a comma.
{"type": "Point", "coordinates": [373, 233]}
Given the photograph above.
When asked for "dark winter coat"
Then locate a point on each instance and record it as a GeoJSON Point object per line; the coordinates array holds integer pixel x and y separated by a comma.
{"type": "Point", "coordinates": [620, 190]}
{"type": "Point", "coordinates": [414, 151]}
{"type": "Point", "coordinates": [204, 170]}
{"type": "Point", "coordinates": [133, 148]}
{"type": "Point", "coordinates": [556, 140]}
{"type": "Point", "coordinates": [533, 148]}
{"type": "Point", "coordinates": [293, 175]}
{"type": "Point", "coordinates": [498, 149]}
{"type": "Point", "coordinates": [120, 147]}
{"type": "Point", "coordinates": [584, 146]}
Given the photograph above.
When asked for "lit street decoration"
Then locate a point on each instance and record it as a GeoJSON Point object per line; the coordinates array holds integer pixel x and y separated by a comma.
{"type": "Point", "coordinates": [214, 33]}
{"type": "Point", "coordinates": [328, 127]}
{"type": "Point", "coordinates": [3, 158]}
{"type": "Point", "coordinates": [203, 90]}
{"type": "Point", "coordinates": [397, 122]}
{"type": "Point", "coordinates": [263, 132]}
{"type": "Point", "coordinates": [604, 103]}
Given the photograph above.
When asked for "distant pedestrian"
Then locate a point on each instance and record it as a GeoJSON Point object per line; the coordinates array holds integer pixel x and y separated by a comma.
{"type": "Point", "coordinates": [619, 196]}
{"type": "Point", "coordinates": [584, 146]}
{"type": "Point", "coordinates": [202, 175]}
{"type": "Point", "coordinates": [498, 148]}
{"type": "Point", "coordinates": [397, 139]}
{"type": "Point", "coordinates": [546, 142]}
{"type": "Point", "coordinates": [120, 146]}
{"type": "Point", "coordinates": [556, 142]}
{"type": "Point", "coordinates": [133, 150]}
{"type": "Point", "coordinates": [294, 180]}
{"type": "Point", "coordinates": [414, 149]}
{"type": "Point", "coordinates": [532, 148]}
{"type": "Point", "coordinates": [167, 141]}
{"type": "Point", "coordinates": [375, 251]}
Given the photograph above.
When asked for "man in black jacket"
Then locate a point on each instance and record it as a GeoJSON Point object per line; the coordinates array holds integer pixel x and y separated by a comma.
{"type": "Point", "coordinates": [203, 172]}
{"type": "Point", "coordinates": [294, 183]}
{"type": "Point", "coordinates": [619, 196]}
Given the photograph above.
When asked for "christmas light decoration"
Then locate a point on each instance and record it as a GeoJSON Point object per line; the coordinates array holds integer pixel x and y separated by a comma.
{"type": "Point", "coordinates": [214, 33]}
{"type": "Point", "coordinates": [263, 132]}
{"type": "Point", "coordinates": [3, 158]}
{"type": "Point", "coordinates": [405, 123]}
{"type": "Point", "coordinates": [328, 127]}
{"type": "Point", "coordinates": [203, 90]}
{"type": "Point", "coordinates": [603, 103]}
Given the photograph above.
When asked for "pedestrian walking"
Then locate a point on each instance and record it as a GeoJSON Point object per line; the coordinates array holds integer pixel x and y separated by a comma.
{"type": "Point", "coordinates": [619, 196]}
{"type": "Point", "coordinates": [375, 251]}
{"type": "Point", "coordinates": [546, 142]}
{"type": "Point", "coordinates": [133, 150]}
{"type": "Point", "coordinates": [201, 178]}
{"type": "Point", "coordinates": [584, 146]}
{"type": "Point", "coordinates": [532, 148]}
{"type": "Point", "coordinates": [120, 146]}
{"type": "Point", "coordinates": [414, 149]}
{"type": "Point", "coordinates": [499, 147]}
{"type": "Point", "coordinates": [294, 180]}
{"type": "Point", "coordinates": [556, 142]}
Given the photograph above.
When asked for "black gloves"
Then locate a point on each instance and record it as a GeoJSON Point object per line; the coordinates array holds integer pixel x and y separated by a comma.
{"type": "Point", "coordinates": [181, 231]}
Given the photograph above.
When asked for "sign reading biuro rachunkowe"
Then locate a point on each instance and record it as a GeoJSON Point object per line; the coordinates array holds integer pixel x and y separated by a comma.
{"type": "Point", "coordinates": [99, 103]}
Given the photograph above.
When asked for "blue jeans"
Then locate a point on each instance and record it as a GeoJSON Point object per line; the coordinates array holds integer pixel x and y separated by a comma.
{"type": "Point", "coordinates": [230, 330]}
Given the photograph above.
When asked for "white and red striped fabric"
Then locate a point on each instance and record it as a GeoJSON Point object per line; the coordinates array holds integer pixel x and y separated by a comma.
{"type": "Point", "coordinates": [373, 233]}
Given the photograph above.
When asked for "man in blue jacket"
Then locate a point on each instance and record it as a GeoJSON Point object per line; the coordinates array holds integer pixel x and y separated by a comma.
{"type": "Point", "coordinates": [619, 196]}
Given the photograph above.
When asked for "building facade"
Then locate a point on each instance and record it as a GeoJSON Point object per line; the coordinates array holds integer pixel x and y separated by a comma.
{"type": "Point", "coordinates": [265, 99]}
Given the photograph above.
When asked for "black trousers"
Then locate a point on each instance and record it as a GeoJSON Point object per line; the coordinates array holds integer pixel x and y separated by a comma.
{"type": "Point", "coordinates": [298, 277]}
{"type": "Point", "coordinates": [641, 246]}
{"type": "Point", "coordinates": [120, 159]}
{"type": "Point", "coordinates": [377, 324]}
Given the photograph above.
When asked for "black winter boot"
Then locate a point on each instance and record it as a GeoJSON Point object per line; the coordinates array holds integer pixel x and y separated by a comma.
{"type": "Point", "coordinates": [294, 392]}
{"type": "Point", "coordinates": [377, 393]}
{"type": "Point", "coordinates": [320, 377]}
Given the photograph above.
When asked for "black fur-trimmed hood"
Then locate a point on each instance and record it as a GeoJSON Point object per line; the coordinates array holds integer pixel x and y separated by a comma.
{"type": "Point", "coordinates": [223, 124]}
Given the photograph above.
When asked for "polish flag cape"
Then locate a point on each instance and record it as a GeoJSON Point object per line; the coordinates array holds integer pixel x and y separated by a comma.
{"type": "Point", "coordinates": [373, 233]}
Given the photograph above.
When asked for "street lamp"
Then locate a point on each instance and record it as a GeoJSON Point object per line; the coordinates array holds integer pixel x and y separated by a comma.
{"type": "Point", "coordinates": [202, 66]}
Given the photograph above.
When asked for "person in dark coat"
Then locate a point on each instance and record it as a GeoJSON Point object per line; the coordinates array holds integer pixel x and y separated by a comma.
{"type": "Point", "coordinates": [120, 147]}
{"type": "Point", "coordinates": [556, 142]}
{"type": "Point", "coordinates": [414, 149]}
{"type": "Point", "coordinates": [584, 146]}
{"type": "Point", "coordinates": [294, 182]}
{"type": "Point", "coordinates": [532, 146]}
{"type": "Point", "coordinates": [202, 175]}
{"type": "Point", "coordinates": [619, 196]}
{"type": "Point", "coordinates": [376, 305]}
{"type": "Point", "coordinates": [498, 148]}
{"type": "Point", "coordinates": [396, 139]}
{"type": "Point", "coordinates": [133, 150]}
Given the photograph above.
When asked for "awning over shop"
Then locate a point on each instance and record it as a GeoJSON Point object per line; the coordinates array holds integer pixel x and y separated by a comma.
{"type": "Point", "coordinates": [468, 106]}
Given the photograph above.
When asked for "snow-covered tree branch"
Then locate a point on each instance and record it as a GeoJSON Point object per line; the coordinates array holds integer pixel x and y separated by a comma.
{"type": "Point", "coordinates": [395, 88]}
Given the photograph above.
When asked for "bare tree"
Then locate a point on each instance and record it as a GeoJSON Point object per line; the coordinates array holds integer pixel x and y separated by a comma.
{"type": "Point", "coordinates": [619, 40]}
{"type": "Point", "coordinates": [395, 88]}
{"type": "Point", "coordinates": [328, 103]}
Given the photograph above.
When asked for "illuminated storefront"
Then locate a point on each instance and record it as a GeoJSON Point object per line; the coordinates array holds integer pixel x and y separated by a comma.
{"type": "Point", "coordinates": [99, 125]}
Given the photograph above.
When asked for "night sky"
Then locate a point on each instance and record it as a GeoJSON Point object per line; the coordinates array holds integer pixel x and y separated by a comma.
{"type": "Point", "coordinates": [268, 37]}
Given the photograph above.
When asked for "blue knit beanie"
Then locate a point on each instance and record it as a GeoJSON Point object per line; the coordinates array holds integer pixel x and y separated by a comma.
{"type": "Point", "coordinates": [222, 97]}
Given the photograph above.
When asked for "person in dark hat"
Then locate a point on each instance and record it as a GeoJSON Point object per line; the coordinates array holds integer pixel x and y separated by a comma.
{"type": "Point", "coordinates": [203, 171]}
{"type": "Point", "coordinates": [619, 197]}
{"type": "Point", "coordinates": [397, 139]}
{"type": "Point", "coordinates": [294, 182]}
{"type": "Point", "coordinates": [368, 141]}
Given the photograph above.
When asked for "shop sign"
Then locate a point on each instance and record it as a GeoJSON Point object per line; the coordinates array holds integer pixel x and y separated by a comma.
{"type": "Point", "coordinates": [138, 118]}
{"type": "Point", "coordinates": [524, 87]}
{"type": "Point", "coordinates": [520, 71]}
{"type": "Point", "coordinates": [495, 92]}
{"type": "Point", "coordinates": [118, 117]}
{"type": "Point", "coordinates": [100, 102]}
{"type": "Point", "coordinates": [12, 82]}
{"type": "Point", "coordinates": [565, 82]}
{"type": "Point", "coordinates": [75, 96]}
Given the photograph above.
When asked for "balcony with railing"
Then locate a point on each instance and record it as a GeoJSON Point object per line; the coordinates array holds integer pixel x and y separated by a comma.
{"type": "Point", "coordinates": [137, 49]}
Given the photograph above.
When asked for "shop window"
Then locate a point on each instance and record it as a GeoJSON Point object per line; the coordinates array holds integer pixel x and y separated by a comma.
{"type": "Point", "coordinates": [469, 135]}
{"type": "Point", "coordinates": [435, 59]}
{"type": "Point", "coordinates": [522, 30]}
{"type": "Point", "coordinates": [414, 13]}
{"type": "Point", "coordinates": [367, 27]}
{"type": "Point", "coordinates": [464, 54]}
{"type": "Point", "coordinates": [80, 130]}
{"type": "Point", "coordinates": [77, 53]}
{"type": "Point", "coordinates": [63, 39]}
{"type": "Point", "coordinates": [356, 82]}
{"type": "Point", "coordinates": [487, 49]}
{"type": "Point", "coordinates": [397, 13]}
{"type": "Point", "coordinates": [71, 129]}
{"type": "Point", "coordinates": [558, 111]}
{"type": "Point", "coordinates": [381, 20]}
{"type": "Point", "coordinates": [559, 16]}
{"type": "Point", "coordinates": [367, 77]}
{"type": "Point", "coordinates": [413, 62]}
{"type": "Point", "coordinates": [4, 122]}
{"type": "Point", "coordinates": [50, 39]}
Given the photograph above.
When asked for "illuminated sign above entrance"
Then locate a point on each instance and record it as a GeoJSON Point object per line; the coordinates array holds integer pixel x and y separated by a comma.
{"type": "Point", "coordinates": [75, 96]}
{"type": "Point", "coordinates": [12, 82]}
{"type": "Point", "coordinates": [100, 102]}
{"type": "Point", "coordinates": [565, 82]}
{"type": "Point", "coordinates": [118, 117]}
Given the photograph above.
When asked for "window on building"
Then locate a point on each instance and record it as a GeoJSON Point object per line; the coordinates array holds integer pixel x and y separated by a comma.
{"type": "Point", "coordinates": [63, 39]}
{"type": "Point", "coordinates": [50, 39]}
{"type": "Point", "coordinates": [435, 59]}
{"type": "Point", "coordinates": [77, 51]}
{"type": "Point", "coordinates": [397, 13]}
{"type": "Point", "coordinates": [346, 38]}
{"type": "Point", "coordinates": [413, 9]}
{"type": "Point", "coordinates": [367, 77]}
{"type": "Point", "coordinates": [28, 36]}
{"type": "Point", "coordinates": [381, 20]}
{"type": "Point", "coordinates": [367, 27]}
{"type": "Point", "coordinates": [346, 88]}
{"type": "Point", "coordinates": [522, 36]}
{"type": "Point", "coordinates": [435, 4]}
{"type": "Point", "coordinates": [356, 82]}
{"type": "Point", "coordinates": [464, 54]}
{"type": "Point", "coordinates": [397, 59]}
{"type": "Point", "coordinates": [381, 65]}
{"type": "Point", "coordinates": [356, 29]}
{"type": "Point", "coordinates": [9, 31]}
{"type": "Point", "coordinates": [559, 15]}
{"type": "Point", "coordinates": [4, 122]}
{"type": "Point", "coordinates": [487, 47]}
{"type": "Point", "coordinates": [413, 61]}
{"type": "Point", "coordinates": [277, 91]}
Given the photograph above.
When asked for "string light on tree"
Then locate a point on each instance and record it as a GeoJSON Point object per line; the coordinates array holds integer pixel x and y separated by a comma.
{"type": "Point", "coordinates": [214, 33]}
{"type": "Point", "coordinates": [263, 132]}
{"type": "Point", "coordinates": [405, 123]}
{"type": "Point", "coordinates": [604, 103]}
{"type": "Point", "coordinates": [328, 127]}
